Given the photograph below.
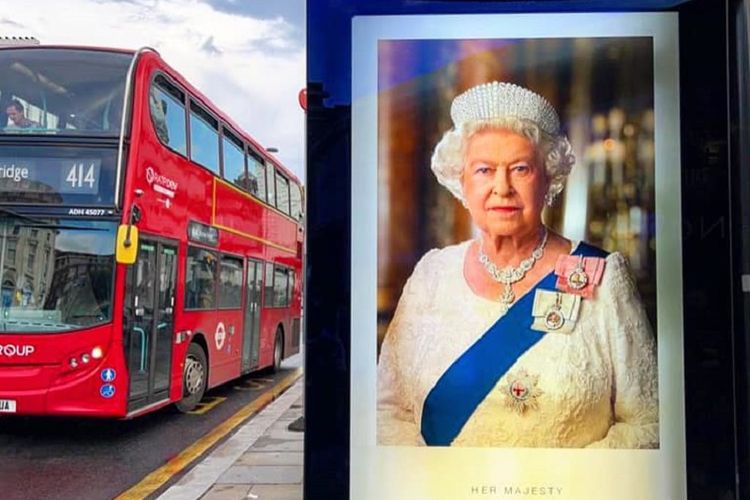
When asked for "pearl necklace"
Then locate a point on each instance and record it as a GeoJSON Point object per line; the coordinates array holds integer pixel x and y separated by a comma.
{"type": "Point", "coordinates": [510, 274]}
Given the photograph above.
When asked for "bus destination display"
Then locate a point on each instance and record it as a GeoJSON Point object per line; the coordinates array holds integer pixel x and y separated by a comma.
{"type": "Point", "coordinates": [50, 175]}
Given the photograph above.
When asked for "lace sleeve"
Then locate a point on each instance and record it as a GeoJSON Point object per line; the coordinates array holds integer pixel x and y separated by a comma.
{"type": "Point", "coordinates": [396, 421]}
{"type": "Point", "coordinates": [633, 357]}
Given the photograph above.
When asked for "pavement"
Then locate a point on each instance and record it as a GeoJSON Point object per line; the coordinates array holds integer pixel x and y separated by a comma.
{"type": "Point", "coordinates": [262, 460]}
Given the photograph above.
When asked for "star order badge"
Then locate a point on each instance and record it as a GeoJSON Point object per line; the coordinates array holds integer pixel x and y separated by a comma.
{"type": "Point", "coordinates": [521, 391]}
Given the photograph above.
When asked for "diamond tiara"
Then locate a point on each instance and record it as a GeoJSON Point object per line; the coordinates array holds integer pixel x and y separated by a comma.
{"type": "Point", "coordinates": [494, 100]}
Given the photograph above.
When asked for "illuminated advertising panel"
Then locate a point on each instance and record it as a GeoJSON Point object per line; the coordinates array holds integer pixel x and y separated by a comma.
{"type": "Point", "coordinates": [519, 332]}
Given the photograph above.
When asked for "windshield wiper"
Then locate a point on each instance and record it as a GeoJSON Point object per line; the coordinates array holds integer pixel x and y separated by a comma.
{"type": "Point", "coordinates": [47, 225]}
{"type": "Point", "coordinates": [13, 213]}
{"type": "Point", "coordinates": [43, 224]}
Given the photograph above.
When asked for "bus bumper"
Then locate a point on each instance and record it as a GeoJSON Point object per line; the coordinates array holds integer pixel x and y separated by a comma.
{"type": "Point", "coordinates": [40, 390]}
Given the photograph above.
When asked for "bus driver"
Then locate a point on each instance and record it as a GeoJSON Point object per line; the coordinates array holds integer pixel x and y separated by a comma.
{"type": "Point", "coordinates": [17, 116]}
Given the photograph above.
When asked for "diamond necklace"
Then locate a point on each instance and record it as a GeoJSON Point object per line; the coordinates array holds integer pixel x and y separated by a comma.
{"type": "Point", "coordinates": [510, 274]}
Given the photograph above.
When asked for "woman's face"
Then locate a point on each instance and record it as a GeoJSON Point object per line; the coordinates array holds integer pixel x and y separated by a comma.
{"type": "Point", "coordinates": [504, 183]}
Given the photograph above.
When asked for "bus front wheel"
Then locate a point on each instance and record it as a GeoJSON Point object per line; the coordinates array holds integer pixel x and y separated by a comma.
{"type": "Point", "coordinates": [194, 378]}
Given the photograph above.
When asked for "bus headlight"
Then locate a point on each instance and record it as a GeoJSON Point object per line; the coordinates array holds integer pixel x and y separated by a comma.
{"type": "Point", "coordinates": [97, 352]}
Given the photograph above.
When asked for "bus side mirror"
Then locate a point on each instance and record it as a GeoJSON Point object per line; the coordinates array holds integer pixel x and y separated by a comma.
{"type": "Point", "coordinates": [127, 244]}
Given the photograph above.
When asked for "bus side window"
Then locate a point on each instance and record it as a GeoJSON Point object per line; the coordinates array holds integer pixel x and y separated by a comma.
{"type": "Point", "coordinates": [233, 159]}
{"type": "Point", "coordinates": [290, 293]}
{"type": "Point", "coordinates": [270, 184]}
{"type": "Point", "coordinates": [282, 193]}
{"type": "Point", "coordinates": [204, 138]}
{"type": "Point", "coordinates": [268, 285]}
{"type": "Point", "coordinates": [256, 172]}
{"type": "Point", "coordinates": [230, 285]}
{"type": "Point", "coordinates": [167, 109]}
{"type": "Point", "coordinates": [280, 286]}
{"type": "Point", "coordinates": [158, 109]}
{"type": "Point", "coordinates": [200, 279]}
{"type": "Point", "coordinates": [295, 195]}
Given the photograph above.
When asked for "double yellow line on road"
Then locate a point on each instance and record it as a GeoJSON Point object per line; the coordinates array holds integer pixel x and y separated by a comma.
{"type": "Point", "coordinates": [163, 474]}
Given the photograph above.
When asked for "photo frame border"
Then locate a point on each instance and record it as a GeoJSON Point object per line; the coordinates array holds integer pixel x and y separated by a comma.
{"type": "Point", "coordinates": [371, 465]}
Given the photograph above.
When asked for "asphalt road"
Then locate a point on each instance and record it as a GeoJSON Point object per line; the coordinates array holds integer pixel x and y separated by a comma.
{"type": "Point", "coordinates": [58, 458]}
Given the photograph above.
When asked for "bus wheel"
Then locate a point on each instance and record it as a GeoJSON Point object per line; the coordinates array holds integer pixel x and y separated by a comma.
{"type": "Point", "coordinates": [278, 349]}
{"type": "Point", "coordinates": [193, 378]}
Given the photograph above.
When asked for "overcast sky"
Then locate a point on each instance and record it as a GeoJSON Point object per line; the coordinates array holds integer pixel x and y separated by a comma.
{"type": "Point", "coordinates": [247, 56]}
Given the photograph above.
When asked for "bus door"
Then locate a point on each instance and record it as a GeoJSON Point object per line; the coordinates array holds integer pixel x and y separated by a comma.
{"type": "Point", "coordinates": [251, 332]}
{"type": "Point", "coordinates": [150, 302]}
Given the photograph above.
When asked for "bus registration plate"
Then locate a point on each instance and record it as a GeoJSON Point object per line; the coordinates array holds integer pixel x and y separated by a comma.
{"type": "Point", "coordinates": [7, 406]}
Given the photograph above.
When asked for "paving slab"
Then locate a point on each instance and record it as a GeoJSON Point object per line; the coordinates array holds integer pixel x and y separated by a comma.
{"type": "Point", "coordinates": [261, 474]}
{"type": "Point", "coordinates": [227, 492]}
{"type": "Point", "coordinates": [266, 443]}
{"type": "Point", "coordinates": [271, 458]}
{"type": "Point", "coordinates": [276, 492]}
{"type": "Point", "coordinates": [284, 434]}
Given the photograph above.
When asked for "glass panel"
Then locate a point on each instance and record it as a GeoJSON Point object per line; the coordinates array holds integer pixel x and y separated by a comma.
{"type": "Point", "coordinates": [251, 339]}
{"type": "Point", "coordinates": [282, 193]}
{"type": "Point", "coordinates": [256, 173]}
{"type": "Point", "coordinates": [230, 285]}
{"type": "Point", "coordinates": [168, 116]}
{"type": "Point", "coordinates": [234, 163]}
{"type": "Point", "coordinates": [280, 287]}
{"type": "Point", "coordinates": [295, 194]}
{"type": "Point", "coordinates": [67, 283]}
{"type": "Point", "coordinates": [290, 295]}
{"type": "Point", "coordinates": [204, 140]}
{"type": "Point", "coordinates": [142, 280]}
{"type": "Point", "coordinates": [270, 175]}
{"type": "Point", "coordinates": [165, 319]}
{"type": "Point", "coordinates": [167, 274]}
{"type": "Point", "coordinates": [200, 279]}
{"type": "Point", "coordinates": [268, 292]}
{"type": "Point", "coordinates": [145, 273]}
{"type": "Point", "coordinates": [62, 91]}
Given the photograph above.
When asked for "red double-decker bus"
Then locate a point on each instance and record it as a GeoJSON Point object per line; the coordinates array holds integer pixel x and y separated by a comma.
{"type": "Point", "coordinates": [149, 249]}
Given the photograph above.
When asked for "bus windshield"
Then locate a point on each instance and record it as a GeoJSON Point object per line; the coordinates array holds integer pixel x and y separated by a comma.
{"type": "Point", "coordinates": [57, 274]}
{"type": "Point", "coordinates": [62, 91]}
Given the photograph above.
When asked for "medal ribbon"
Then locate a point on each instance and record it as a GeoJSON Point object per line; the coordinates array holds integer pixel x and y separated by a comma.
{"type": "Point", "coordinates": [466, 383]}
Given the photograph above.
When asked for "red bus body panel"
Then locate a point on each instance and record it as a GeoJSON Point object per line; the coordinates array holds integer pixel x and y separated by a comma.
{"type": "Point", "coordinates": [44, 383]}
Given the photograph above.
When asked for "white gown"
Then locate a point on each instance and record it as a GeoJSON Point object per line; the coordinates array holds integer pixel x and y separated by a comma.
{"type": "Point", "coordinates": [596, 386]}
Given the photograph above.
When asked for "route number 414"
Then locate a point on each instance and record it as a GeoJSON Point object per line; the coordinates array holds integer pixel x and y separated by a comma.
{"type": "Point", "coordinates": [79, 174]}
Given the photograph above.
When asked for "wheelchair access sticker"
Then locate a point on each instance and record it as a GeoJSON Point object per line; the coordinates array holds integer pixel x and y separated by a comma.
{"type": "Point", "coordinates": [107, 391]}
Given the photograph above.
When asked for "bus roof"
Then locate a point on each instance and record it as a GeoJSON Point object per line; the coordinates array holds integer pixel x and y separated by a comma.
{"type": "Point", "coordinates": [68, 47]}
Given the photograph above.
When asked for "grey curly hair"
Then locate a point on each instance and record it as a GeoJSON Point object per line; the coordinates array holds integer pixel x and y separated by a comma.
{"type": "Point", "coordinates": [555, 149]}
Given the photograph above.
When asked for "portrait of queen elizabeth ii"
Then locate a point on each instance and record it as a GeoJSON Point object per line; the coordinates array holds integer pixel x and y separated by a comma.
{"type": "Point", "coordinates": [519, 336]}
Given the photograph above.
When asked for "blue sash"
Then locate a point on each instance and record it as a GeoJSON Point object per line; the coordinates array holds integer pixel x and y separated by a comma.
{"type": "Point", "coordinates": [466, 383]}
